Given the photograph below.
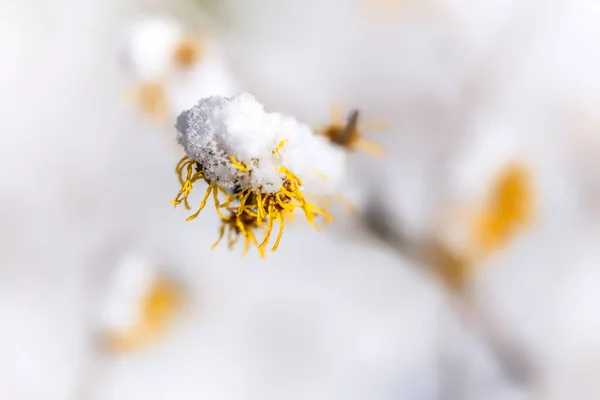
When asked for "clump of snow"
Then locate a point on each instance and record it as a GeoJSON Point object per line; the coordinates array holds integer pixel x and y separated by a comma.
{"type": "Point", "coordinates": [218, 128]}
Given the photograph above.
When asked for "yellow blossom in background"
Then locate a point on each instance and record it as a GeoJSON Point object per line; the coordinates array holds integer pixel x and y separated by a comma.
{"type": "Point", "coordinates": [150, 98]}
{"type": "Point", "coordinates": [470, 236]}
{"type": "Point", "coordinates": [349, 134]}
{"type": "Point", "coordinates": [158, 307]}
{"type": "Point", "coordinates": [140, 304]}
{"type": "Point", "coordinates": [169, 66]}
{"type": "Point", "coordinates": [188, 52]}
{"type": "Point", "coordinates": [508, 208]}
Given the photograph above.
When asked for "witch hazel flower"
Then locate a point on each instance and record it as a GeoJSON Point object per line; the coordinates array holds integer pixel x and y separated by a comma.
{"type": "Point", "coordinates": [259, 166]}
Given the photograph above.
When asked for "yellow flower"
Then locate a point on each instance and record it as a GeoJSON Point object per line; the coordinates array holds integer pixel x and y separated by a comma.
{"type": "Point", "coordinates": [188, 52]}
{"type": "Point", "coordinates": [248, 208]}
{"type": "Point", "coordinates": [509, 208]}
{"type": "Point", "coordinates": [349, 133]}
{"type": "Point", "coordinates": [150, 97]}
{"type": "Point", "coordinates": [469, 237]}
{"type": "Point", "coordinates": [159, 305]}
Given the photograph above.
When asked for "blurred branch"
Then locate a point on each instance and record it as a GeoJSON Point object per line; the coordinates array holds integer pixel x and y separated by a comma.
{"type": "Point", "coordinates": [510, 43]}
{"type": "Point", "coordinates": [429, 254]}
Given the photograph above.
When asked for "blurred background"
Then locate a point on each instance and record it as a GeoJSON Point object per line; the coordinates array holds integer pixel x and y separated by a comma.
{"type": "Point", "coordinates": [469, 268]}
